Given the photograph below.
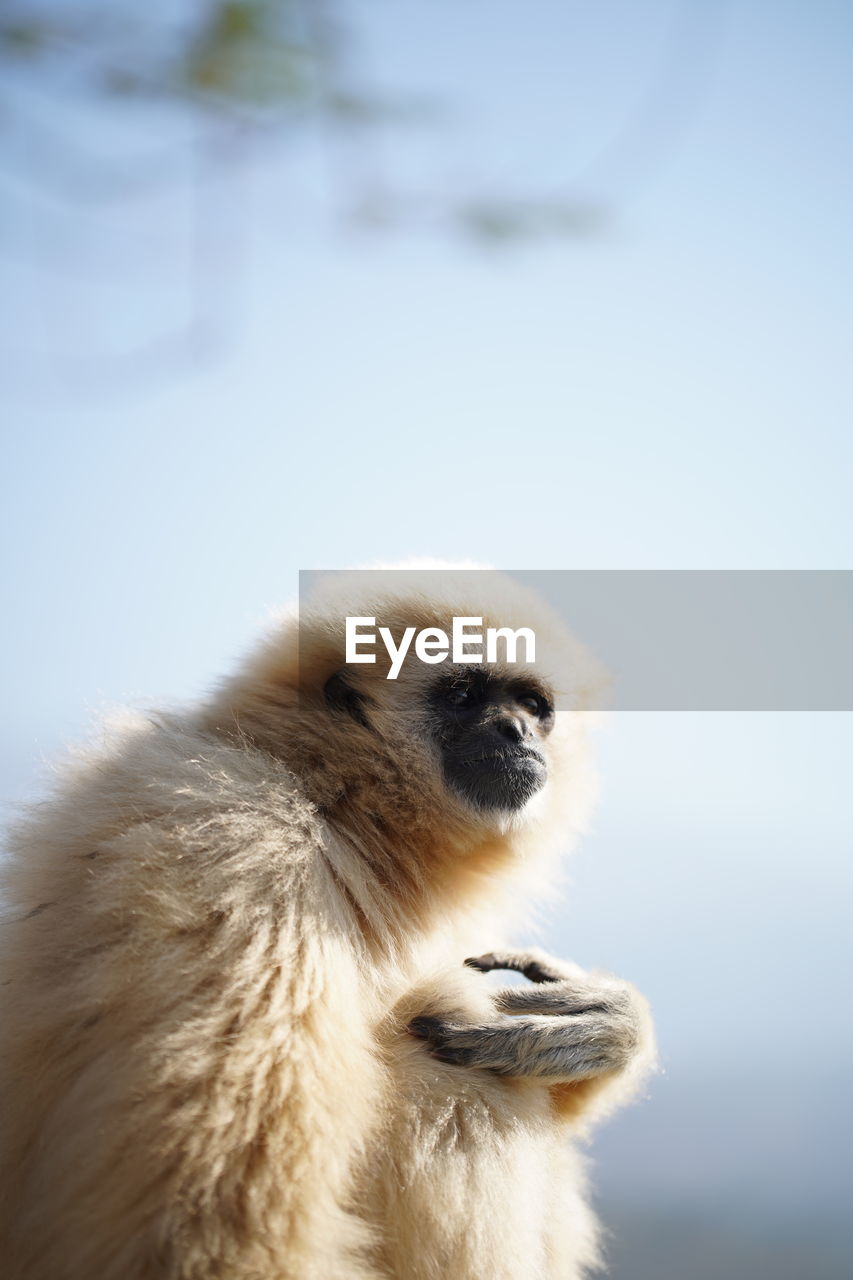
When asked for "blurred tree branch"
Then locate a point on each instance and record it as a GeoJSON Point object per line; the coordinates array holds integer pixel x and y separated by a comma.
{"type": "Point", "coordinates": [220, 78]}
{"type": "Point", "coordinates": [265, 65]}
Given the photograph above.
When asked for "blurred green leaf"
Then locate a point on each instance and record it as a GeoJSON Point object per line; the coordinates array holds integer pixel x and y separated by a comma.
{"type": "Point", "coordinates": [249, 52]}
{"type": "Point", "coordinates": [22, 37]}
{"type": "Point", "coordinates": [503, 222]}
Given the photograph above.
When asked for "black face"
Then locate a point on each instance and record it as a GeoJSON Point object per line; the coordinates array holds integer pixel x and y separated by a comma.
{"type": "Point", "coordinates": [490, 731]}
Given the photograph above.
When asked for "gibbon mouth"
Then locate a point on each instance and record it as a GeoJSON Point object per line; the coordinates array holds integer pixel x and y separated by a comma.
{"type": "Point", "coordinates": [511, 758]}
{"type": "Point", "coordinates": [499, 779]}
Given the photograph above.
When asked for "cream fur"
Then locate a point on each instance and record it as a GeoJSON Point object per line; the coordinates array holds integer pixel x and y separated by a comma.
{"type": "Point", "coordinates": [219, 927]}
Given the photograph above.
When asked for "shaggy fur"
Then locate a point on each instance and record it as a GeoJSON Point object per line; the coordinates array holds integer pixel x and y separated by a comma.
{"type": "Point", "coordinates": [232, 964]}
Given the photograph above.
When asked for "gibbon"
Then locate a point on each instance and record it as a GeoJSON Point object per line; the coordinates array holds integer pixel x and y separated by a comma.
{"type": "Point", "coordinates": [246, 1032]}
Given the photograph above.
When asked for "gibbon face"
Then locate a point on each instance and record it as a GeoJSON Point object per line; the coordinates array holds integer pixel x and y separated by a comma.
{"type": "Point", "coordinates": [488, 726]}
{"type": "Point", "coordinates": [490, 730]}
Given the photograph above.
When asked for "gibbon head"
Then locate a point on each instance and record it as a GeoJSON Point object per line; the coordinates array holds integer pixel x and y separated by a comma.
{"type": "Point", "coordinates": [446, 758]}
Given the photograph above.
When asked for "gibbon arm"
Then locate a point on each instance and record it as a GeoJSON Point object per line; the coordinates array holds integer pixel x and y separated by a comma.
{"type": "Point", "coordinates": [583, 1032]}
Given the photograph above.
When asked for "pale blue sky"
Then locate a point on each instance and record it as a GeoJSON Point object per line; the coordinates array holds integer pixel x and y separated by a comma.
{"type": "Point", "coordinates": [673, 393]}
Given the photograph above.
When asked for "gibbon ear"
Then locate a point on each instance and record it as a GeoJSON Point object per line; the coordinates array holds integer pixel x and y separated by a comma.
{"type": "Point", "coordinates": [340, 695]}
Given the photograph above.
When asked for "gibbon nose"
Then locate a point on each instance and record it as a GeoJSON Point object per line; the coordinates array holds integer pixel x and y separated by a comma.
{"type": "Point", "coordinates": [514, 728]}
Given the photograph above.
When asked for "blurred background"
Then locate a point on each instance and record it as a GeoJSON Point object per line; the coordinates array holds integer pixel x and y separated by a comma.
{"type": "Point", "coordinates": [305, 285]}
